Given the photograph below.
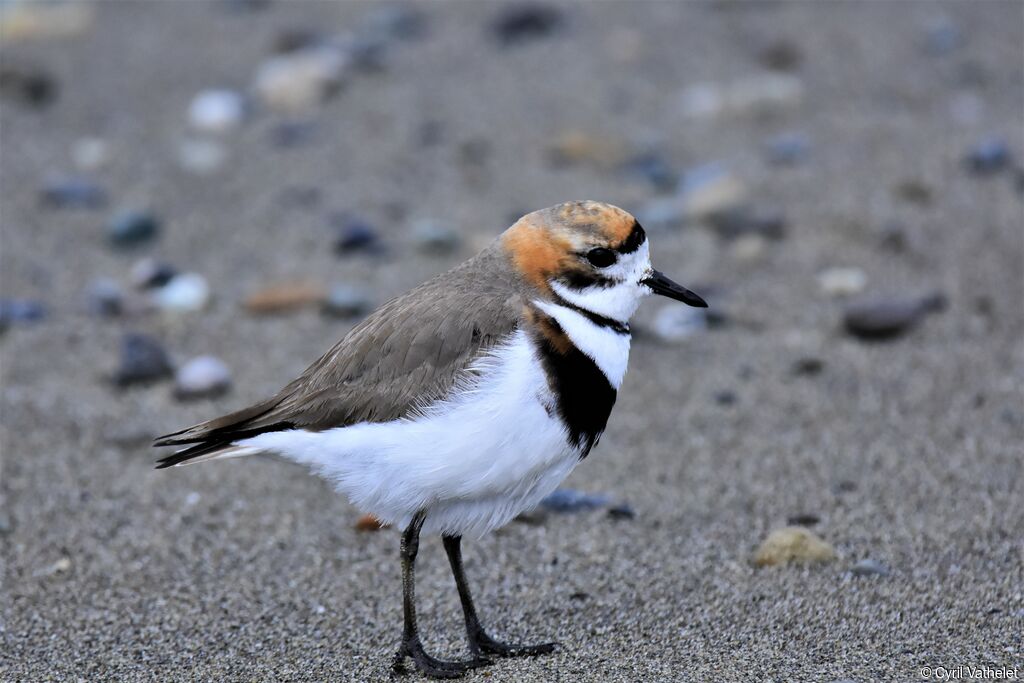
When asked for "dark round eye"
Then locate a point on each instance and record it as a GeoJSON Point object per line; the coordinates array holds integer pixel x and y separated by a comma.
{"type": "Point", "coordinates": [601, 257]}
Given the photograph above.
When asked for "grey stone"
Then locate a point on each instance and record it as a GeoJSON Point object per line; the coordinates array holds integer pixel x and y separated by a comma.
{"type": "Point", "coordinates": [142, 360]}
{"type": "Point", "coordinates": [202, 377]}
{"type": "Point", "coordinates": [132, 227]}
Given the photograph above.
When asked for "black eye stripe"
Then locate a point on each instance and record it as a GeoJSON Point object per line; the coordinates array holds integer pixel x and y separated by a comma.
{"type": "Point", "coordinates": [636, 237]}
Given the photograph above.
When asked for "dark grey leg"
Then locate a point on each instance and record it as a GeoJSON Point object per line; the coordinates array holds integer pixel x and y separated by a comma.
{"type": "Point", "coordinates": [411, 646]}
{"type": "Point", "coordinates": [480, 643]}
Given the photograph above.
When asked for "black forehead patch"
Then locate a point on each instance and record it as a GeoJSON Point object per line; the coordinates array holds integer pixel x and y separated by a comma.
{"type": "Point", "coordinates": [637, 236]}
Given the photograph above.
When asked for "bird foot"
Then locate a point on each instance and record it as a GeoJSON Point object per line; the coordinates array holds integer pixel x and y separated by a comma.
{"type": "Point", "coordinates": [483, 644]}
{"type": "Point", "coordinates": [431, 666]}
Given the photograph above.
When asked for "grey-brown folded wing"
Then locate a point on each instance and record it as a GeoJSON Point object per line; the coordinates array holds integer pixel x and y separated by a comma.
{"type": "Point", "coordinates": [406, 354]}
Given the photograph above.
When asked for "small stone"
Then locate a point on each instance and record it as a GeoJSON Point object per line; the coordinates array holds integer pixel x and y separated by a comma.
{"type": "Point", "coordinates": [142, 360]}
{"type": "Point", "coordinates": [201, 157]}
{"type": "Point", "coordinates": [23, 21]}
{"type": "Point", "coordinates": [942, 36]}
{"type": "Point", "coordinates": [622, 511]}
{"type": "Point", "coordinates": [677, 322]}
{"type": "Point", "coordinates": [401, 22]}
{"type": "Point", "coordinates": [578, 147]}
{"type": "Point", "coordinates": [748, 248]}
{"type": "Point", "coordinates": [803, 520]}
{"type": "Point", "coordinates": [299, 80]}
{"type": "Point", "coordinates": [792, 544]}
{"type": "Point", "coordinates": [59, 567]}
{"type": "Point", "coordinates": [434, 237]}
{"type": "Point", "coordinates": [757, 95]}
{"type": "Point", "coordinates": [29, 85]}
{"type": "Point", "coordinates": [105, 298]}
{"type": "Point", "coordinates": [295, 38]}
{"type": "Point", "coordinates": [787, 149]}
{"type": "Point", "coordinates": [988, 156]}
{"type": "Point", "coordinates": [192, 499]}
{"type": "Point", "coordinates": [292, 133]}
{"type": "Point", "coordinates": [782, 55]}
{"type": "Point", "coordinates": [571, 500]}
{"type": "Point", "coordinates": [368, 523]}
{"type": "Point", "coordinates": [202, 377]}
{"type": "Point", "coordinates": [579, 596]}
{"type": "Point", "coordinates": [526, 21]}
{"type": "Point", "coordinates": [709, 189]}
{"type": "Point", "coordinates": [148, 273]}
{"type": "Point", "coordinates": [869, 567]}
{"type": "Point", "coordinates": [808, 366]}
{"type": "Point", "coordinates": [345, 301]}
{"type": "Point", "coordinates": [726, 398]}
{"type": "Point", "coordinates": [187, 292]}
{"type": "Point", "coordinates": [736, 221]}
{"type": "Point", "coordinates": [132, 227]}
{"type": "Point", "coordinates": [284, 298]}
{"type": "Point", "coordinates": [69, 192]}
{"type": "Point", "coordinates": [20, 311]}
{"type": "Point", "coordinates": [355, 235]}
{"type": "Point", "coordinates": [913, 191]}
{"type": "Point", "coordinates": [89, 154]}
{"type": "Point", "coordinates": [653, 168]}
{"type": "Point", "coordinates": [882, 318]}
{"type": "Point", "coordinates": [216, 111]}
{"type": "Point", "coordinates": [842, 281]}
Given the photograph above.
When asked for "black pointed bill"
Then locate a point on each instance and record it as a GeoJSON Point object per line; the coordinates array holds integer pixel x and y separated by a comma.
{"type": "Point", "coordinates": [662, 285]}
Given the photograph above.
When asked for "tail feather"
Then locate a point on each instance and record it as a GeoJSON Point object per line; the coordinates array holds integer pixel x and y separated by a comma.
{"type": "Point", "coordinates": [216, 438]}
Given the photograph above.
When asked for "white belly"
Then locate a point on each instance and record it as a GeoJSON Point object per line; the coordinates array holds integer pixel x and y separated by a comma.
{"type": "Point", "coordinates": [474, 461]}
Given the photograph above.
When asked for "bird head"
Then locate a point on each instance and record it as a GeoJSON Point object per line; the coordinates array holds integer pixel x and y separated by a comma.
{"type": "Point", "coordinates": [592, 255]}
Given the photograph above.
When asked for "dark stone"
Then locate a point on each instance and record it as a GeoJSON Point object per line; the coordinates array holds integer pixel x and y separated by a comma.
{"type": "Point", "coordinates": [653, 168]}
{"type": "Point", "coordinates": [808, 366]}
{"type": "Point", "coordinates": [787, 149]}
{"type": "Point", "coordinates": [622, 511]}
{"type": "Point", "coordinates": [28, 85]}
{"type": "Point", "coordinates": [132, 227]}
{"type": "Point", "coordinates": [20, 311]}
{"type": "Point", "coordinates": [725, 398]}
{"type": "Point", "coordinates": [401, 22]}
{"type": "Point", "coordinates": [988, 156]}
{"type": "Point", "coordinates": [104, 298]}
{"type": "Point", "coordinates": [914, 191]}
{"type": "Point", "coordinates": [70, 192]}
{"type": "Point", "coordinates": [782, 55]}
{"type": "Point", "coordinates": [292, 133]}
{"type": "Point", "coordinates": [571, 500]}
{"type": "Point", "coordinates": [748, 220]}
{"type": "Point", "coordinates": [804, 519]}
{"type": "Point", "coordinates": [884, 318]}
{"type": "Point", "coordinates": [295, 38]}
{"type": "Point", "coordinates": [526, 21]}
{"type": "Point", "coordinates": [355, 234]}
{"type": "Point", "coordinates": [579, 596]}
{"type": "Point", "coordinates": [142, 360]}
{"type": "Point", "coordinates": [150, 273]}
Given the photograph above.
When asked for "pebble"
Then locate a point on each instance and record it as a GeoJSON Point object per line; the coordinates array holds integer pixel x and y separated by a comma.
{"type": "Point", "coordinates": [763, 94]}
{"type": "Point", "coordinates": [142, 360]}
{"type": "Point", "coordinates": [132, 227]}
{"type": "Point", "coordinates": [41, 20]}
{"type": "Point", "coordinates": [653, 168]}
{"type": "Point", "coordinates": [869, 567]}
{"type": "Point", "coordinates": [299, 80]}
{"type": "Point", "coordinates": [27, 84]}
{"type": "Point", "coordinates": [284, 298]}
{"type": "Point", "coordinates": [808, 366]}
{"type": "Point", "coordinates": [709, 189]}
{"type": "Point", "coordinates": [149, 272]}
{"type": "Point", "coordinates": [914, 191]}
{"type": "Point", "coordinates": [202, 377]}
{"type": "Point", "coordinates": [20, 311]}
{"type": "Point", "coordinates": [345, 301]}
{"type": "Point", "coordinates": [748, 248]}
{"type": "Point", "coordinates": [792, 544]}
{"type": "Point", "coordinates": [988, 156]}
{"type": "Point", "coordinates": [622, 511]}
{"type": "Point", "coordinates": [400, 22]}
{"type": "Point", "coordinates": [89, 154]}
{"type": "Point", "coordinates": [216, 111]}
{"type": "Point", "coordinates": [354, 234]}
{"type": "Point", "coordinates": [526, 21]}
{"type": "Point", "coordinates": [572, 500]}
{"type": "Point", "coordinates": [726, 397]}
{"type": "Point", "coordinates": [61, 566]}
{"type": "Point", "coordinates": [677, 322]}
{"type": "Point", "coordinates": [105, 298]}
{"type": "Point", "coordinates": [787, 149]}
{"type": "Point", "coordinates": [781, 55]}
{"type": "Point", "coordinates": [292, 133]}
{"type": "Point", "coordinates": [70, 192]}
{"type": "Point", "coordinates": [842, 281]}
{"type": "Point", "coordinates": [201, 157]}
{"type": "Point", "coordinates": [942, 36]}
{"type": "Point", "coordinates": [737, 221]}
{"type": "Point", "coordinates": [183, 293]}
{"type": "Point", "coordinates": [880, 318]}
{"type": "Point", "coordinates": [435, 237]}
{"type": "Point", "coordinates": [804, 519]}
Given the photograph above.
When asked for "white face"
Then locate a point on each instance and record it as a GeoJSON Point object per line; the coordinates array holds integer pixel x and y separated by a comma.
{"type": "Point", "coordinates": [619, 291]}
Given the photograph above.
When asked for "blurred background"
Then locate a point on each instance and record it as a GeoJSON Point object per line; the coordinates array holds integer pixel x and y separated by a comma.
{"type": "Point", "coordinates": [818, 479]}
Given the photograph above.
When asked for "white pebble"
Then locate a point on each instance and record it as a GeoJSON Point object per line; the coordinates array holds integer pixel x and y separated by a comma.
{"type": "Point", "coordinates": [216, 111]}
{"type": "Point", "coordinates": [201, 157]}
{"type": "Point", "coordinates": [185, 292]}
{"type": "Point", "coordinates": [297, 81]}
{"type": "Point", "coordinates": [90, 154]}
{"type": "Point", "coordinates": [842, 281]}
{"type": "Point", "coordinates": [202, 376]}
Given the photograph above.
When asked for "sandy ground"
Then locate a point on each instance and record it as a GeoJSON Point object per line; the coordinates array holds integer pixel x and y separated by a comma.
{"type": "Point", "coordinates": [909, 452]}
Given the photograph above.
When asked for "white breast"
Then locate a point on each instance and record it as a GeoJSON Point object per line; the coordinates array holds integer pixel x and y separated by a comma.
{"type": "Point", "coordinates": [474, 461]}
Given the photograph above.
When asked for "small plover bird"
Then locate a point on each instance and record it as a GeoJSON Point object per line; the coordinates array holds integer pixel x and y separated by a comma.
{"type": "Point", "coordinates": [455, 407]}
